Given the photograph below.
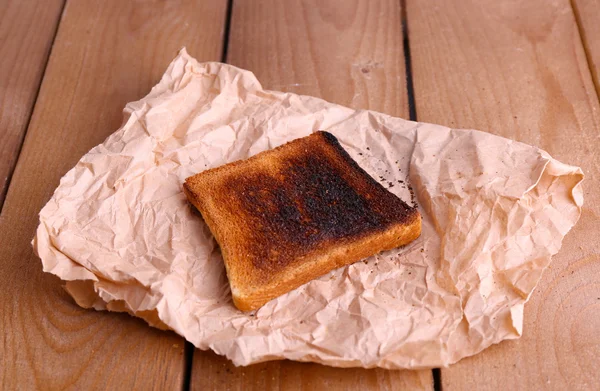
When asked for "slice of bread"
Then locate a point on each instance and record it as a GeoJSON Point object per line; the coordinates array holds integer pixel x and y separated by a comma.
{"type": "Point", "coordinates": [289, 215]}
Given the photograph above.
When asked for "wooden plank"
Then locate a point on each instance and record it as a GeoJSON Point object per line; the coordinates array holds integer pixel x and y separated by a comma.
{"type": "Point", "coordinates": [518, 69]}
{"type": "Point", "coordinates": [346, 52]}
{"type": "Point", "coordinates": [212, 372]}
{"type": "Point", "coordinates": [587, 13]}
{"type": "Point", "coordinates": [27, 29]}
{"type": "Point", "coordinates": [106, 53]}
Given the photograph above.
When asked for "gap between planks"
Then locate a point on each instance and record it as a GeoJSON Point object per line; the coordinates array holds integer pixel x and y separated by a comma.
{"type": "Point", "coordinates": [586, 47]}
{"type": "Point", "coordinates": [188, 359]}
{"type": "Point", "coordinates": [410, 88]}
{"type": "Point", "coordinates": [412, 109]}
{"type": "Point", "coordinates": [19, 146]}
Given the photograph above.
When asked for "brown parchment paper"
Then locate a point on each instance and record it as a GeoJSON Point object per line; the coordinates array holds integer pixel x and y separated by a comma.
{"type": "Point", "coordinates": [119, 230]}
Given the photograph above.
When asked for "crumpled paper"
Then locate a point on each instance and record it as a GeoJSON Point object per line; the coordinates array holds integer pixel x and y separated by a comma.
{"type": "Point", "coordinates": [120, 231]}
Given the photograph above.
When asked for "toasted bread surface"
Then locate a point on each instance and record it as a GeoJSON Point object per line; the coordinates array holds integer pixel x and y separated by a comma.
{"type": "Point", "coordinates": [286, 216]}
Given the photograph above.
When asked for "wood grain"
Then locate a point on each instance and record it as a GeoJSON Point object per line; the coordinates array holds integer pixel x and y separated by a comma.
{"type": "Point", "coordinates": [106, 53]}
{"type": "Point", "coordinates": [212, 372]}
{"type": "Point", "coordinates": [587, 13]}
{"type": "Point", "coordinates": [348, 52]}
{"type": "Point", "coordinates": [518, 69]}
{"type": "Point", "coordinates": [27, 29]}
{"type": "Point", "coordinates": [345, 51]}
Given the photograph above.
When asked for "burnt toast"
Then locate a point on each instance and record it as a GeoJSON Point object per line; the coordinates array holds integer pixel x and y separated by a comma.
{"type": "Point", "coordinates": [291, 214]}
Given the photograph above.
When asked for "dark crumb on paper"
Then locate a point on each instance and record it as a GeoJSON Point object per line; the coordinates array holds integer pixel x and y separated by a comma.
{"type": "Point", "coordinates": [368, 149]}
{"type": "Point", "coordinates": [400, 181]}
{"type": "Point", "coordinates": [413, 197]}
{"type": "Point", "coordinates": [422, 250]}
{"type": "Point", "coordinates": [390, 184]}
{"type": "Point", "coordinates": [360, 153]}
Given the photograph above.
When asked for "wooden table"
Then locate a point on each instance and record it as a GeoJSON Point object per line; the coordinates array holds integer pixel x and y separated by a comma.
{"type": "Point", "coordinates": [526, 69]}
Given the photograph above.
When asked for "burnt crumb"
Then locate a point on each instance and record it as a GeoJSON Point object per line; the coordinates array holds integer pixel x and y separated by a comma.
{"type": "Point", "coordinates": [368, 149]}
{"type": "Point", "coordinates": [360, 153]}
{"type": "Point", "coordinates": [390, 184]}
{"type": "Point", "coordinates": [422, 250]}
{"type": "Point", "coordinates": [400, 181]}
{"type": "Point", "coordinates": [413, 197]}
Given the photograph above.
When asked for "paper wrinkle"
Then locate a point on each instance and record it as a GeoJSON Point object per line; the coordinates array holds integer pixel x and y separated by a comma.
{"type": "Point", "coordinates": [120, 231]}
